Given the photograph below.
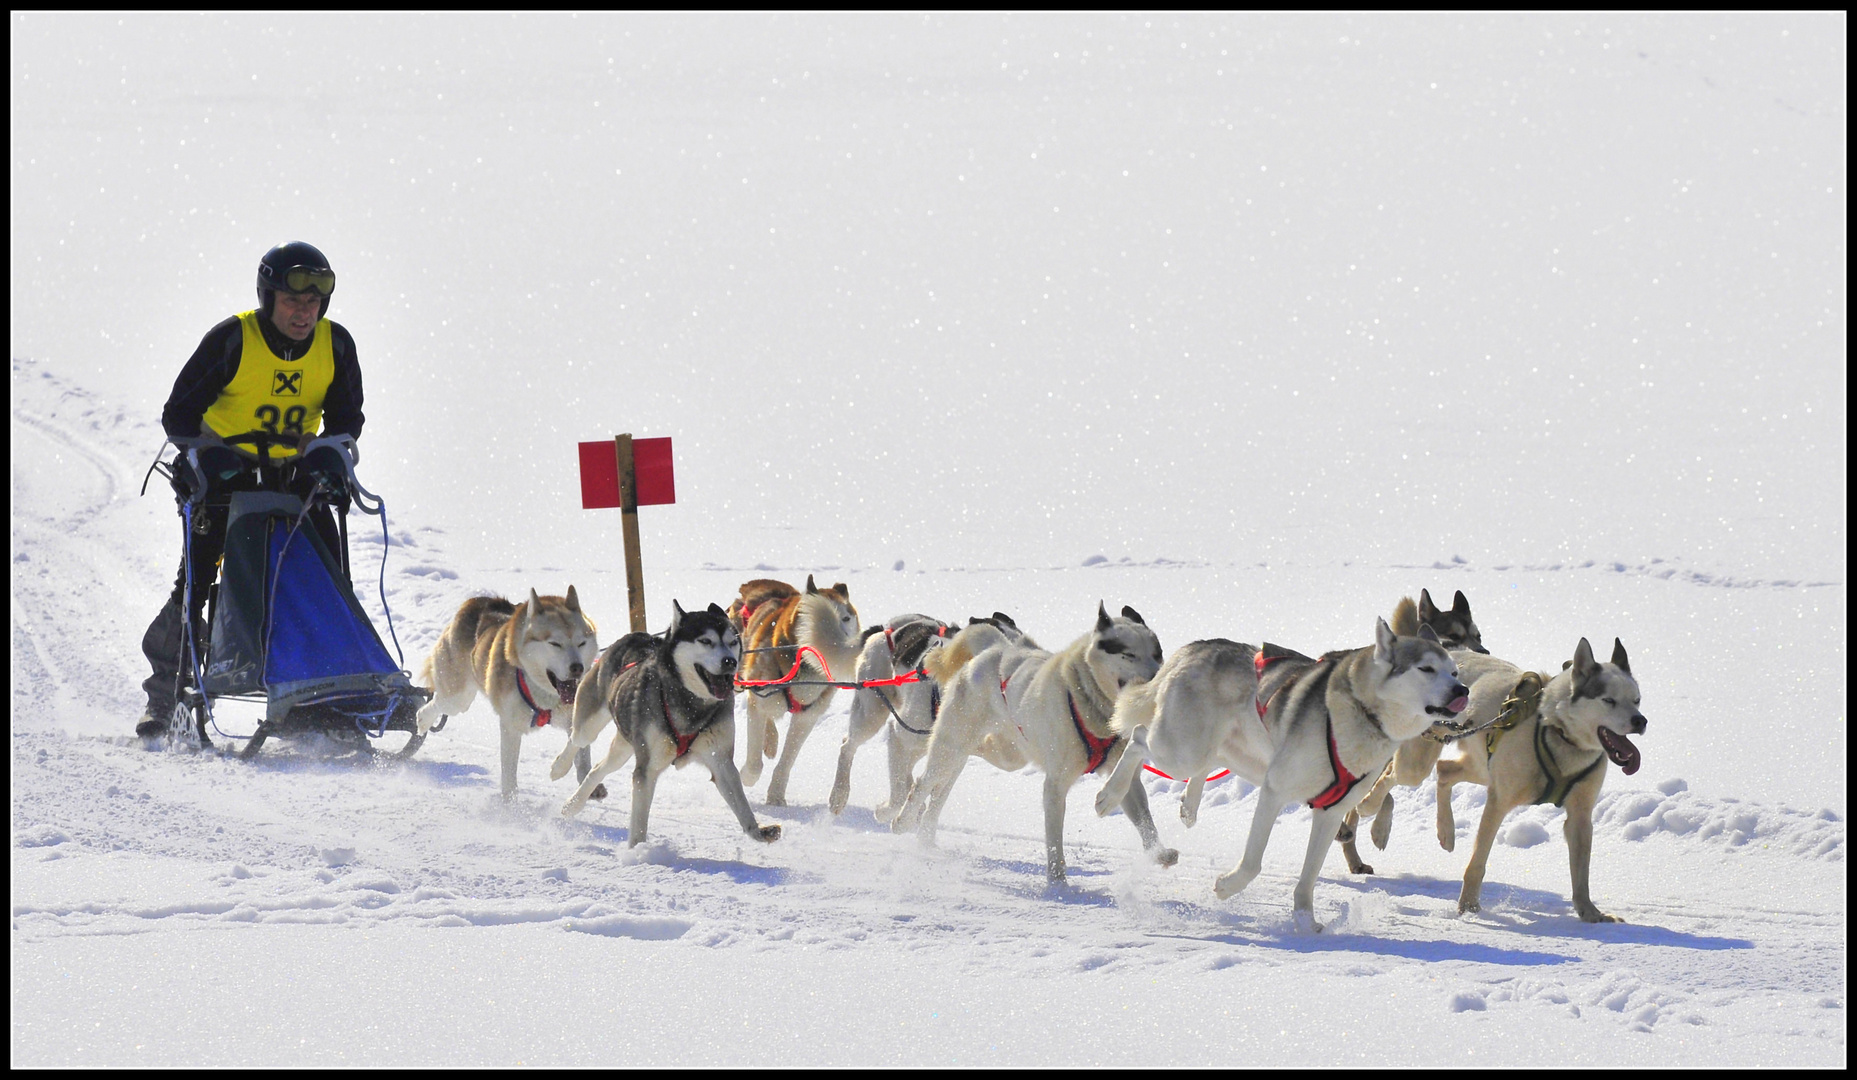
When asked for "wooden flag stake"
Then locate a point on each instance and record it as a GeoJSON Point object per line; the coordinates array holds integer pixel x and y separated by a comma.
{"type": "Point", "coordinates": [628, 512]}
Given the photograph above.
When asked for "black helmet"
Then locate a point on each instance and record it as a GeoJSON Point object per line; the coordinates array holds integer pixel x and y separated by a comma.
{"type": "Point", "coordinates": [295, 267]}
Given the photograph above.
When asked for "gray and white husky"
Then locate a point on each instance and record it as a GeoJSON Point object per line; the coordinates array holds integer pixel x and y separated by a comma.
{"type": "Point", "coordinates": [1302, 729]}
{"type": "Point", "coordinates": [672, 698]}
{"type": "Point", "coordinates": [1457, 631]}
{"type": "Point", "coordinates": [908, 710]}
{"type": "Point", "coordinates": [1551, 748]}
{"type": "Point", "coordinates": [1014, 703]}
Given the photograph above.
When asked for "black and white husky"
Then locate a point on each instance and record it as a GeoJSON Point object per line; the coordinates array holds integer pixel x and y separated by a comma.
{"type": "Point", "coordinates": [1302, 729]}
{"type": "Point", "coordinates": [672, 697]}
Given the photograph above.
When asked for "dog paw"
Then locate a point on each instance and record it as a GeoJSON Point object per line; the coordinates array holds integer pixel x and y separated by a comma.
{"type": "Point", "coordinates": [1104, 804]}
{"type": "Point", "coordinates": [1304, 920]}
{"type": "Point", "coordinates": [1360, 868]}
{"type": "Point", "coordinates": [776, 798]}
{"type": "Point", "coordinates": [1230, 885]}
{"type": "Point", "coordinates": [1447, 840]}
{"type": "Point", "coordinates": [1594, 915]}
{"type": "Point", "coordinates": [767, 834]}
{"type": "Point", "coordinates": [598, 792]}
{"type": "Point", "coordinates": [1382, 829]}
{"type": "Point", "coordinates": [1188, 816]}
{"type": "Point", "coordinates": [562, 764]}
{"type": "Point", "coordinates": [1166, 857]}
{"type": "Point", "coordinates": [1468, 907]}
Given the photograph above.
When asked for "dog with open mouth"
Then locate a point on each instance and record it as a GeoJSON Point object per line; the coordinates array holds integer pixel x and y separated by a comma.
{"type": "Point", "coordinates": [672, 698]}
{"type": "Point", "coordinates": [1315, 730]}
{"type": "Point", "coordinates": [526, 658]}
{"type": "Point", "coordinates": [1457, 634]}
{"type": "Point", "coordinates": [1547, 740]}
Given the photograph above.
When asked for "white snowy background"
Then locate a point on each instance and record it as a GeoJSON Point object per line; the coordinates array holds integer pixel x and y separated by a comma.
{"type": "Point", "coordinates": [1255, 323]}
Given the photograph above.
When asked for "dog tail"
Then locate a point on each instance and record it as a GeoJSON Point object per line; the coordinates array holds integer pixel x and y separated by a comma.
{"type": "Point", "coordinates": [1405, 621]}
{"type": "Point", "coordinates": [1134, 708]}
{"type": "Point", "coordinates": [944, 664]}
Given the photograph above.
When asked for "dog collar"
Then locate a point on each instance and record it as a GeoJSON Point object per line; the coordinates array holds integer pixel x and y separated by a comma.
{"type": "Point", "coordinates": [540, 716]}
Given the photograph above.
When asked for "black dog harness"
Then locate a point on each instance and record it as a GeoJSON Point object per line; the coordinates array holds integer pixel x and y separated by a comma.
{"type": "Point", "coordinates": [1524, 703]}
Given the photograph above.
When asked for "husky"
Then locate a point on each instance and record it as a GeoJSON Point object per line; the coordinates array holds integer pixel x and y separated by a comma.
{"type": "Point", "coordinates": [1014, 703]}
{"type": "Point", "coordinates": [526, 658]}
{"type": "Point", "coordinates": [909, 709]}
{"type": "Point", "coordinates": [1457, 631]}
{"type": "Point", "coordinates": [775, 620]}
{"type": "Point", "coordinates": [1302, 729]}
{"type": "Point", "coordinates": [672, 698]}
{"type": "Point", "coordinates": [1549, 744]}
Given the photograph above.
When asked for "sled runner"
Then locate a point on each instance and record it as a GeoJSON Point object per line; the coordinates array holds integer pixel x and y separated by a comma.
{"type": "Point", "coordinates": [282, 627]}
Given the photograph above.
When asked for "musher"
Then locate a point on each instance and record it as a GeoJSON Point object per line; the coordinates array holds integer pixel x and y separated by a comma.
{"type": "Point", "coordinates": [282, 368]}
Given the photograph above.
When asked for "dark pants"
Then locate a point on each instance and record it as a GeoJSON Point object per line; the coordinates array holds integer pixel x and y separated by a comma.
{"type": "Point", "coordinates": [165, 639]}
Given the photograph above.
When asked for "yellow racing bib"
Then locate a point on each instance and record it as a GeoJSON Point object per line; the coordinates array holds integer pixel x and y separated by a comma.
{"type": "Point", "coordinates": [283, 397]}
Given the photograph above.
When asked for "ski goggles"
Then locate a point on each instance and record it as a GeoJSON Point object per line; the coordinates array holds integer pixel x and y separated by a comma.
{"type": "Point", "coordinates": [301, 279]}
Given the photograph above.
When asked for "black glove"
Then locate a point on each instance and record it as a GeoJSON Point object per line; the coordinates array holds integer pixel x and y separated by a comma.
{"type": "Point", "coordinates": [218, 464]}
{"type": "Point", "coordinates": [328, 465]}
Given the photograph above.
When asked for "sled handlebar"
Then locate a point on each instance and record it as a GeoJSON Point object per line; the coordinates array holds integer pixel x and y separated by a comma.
{"type": "Point", "coordinates": [262, 441]}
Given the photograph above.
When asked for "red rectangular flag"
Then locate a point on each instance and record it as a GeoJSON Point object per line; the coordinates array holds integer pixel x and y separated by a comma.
{"type": "Point", "coordinates": [651, 464]}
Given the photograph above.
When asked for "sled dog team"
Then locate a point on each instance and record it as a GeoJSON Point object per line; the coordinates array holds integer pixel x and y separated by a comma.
{"type": "Point", "coordinates": [1336, 731]}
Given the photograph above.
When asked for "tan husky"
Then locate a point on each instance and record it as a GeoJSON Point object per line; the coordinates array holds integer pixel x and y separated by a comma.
{"type": "Point", "coordinates": [1551, 746]}
{"type": "Point", "coordinates": [526, 658]}
{"type": "Point", "coordinates": [777, 619]}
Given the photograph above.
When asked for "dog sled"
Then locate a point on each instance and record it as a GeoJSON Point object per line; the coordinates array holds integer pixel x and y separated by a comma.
{"type": "Point", "coordinates": [281, 628]}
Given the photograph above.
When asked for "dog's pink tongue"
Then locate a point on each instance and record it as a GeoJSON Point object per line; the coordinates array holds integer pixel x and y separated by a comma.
{"type": "Point", "coordinates": [1458, 704]}
{"type": "Point", "coordinates": [1620, 750]}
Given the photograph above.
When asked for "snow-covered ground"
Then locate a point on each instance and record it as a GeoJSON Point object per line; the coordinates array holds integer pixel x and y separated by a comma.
{"type": "Point", "coordinates": [1254, 323]}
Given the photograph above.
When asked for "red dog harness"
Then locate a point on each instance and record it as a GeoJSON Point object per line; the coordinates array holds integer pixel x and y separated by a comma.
{"type": "Point", "coordinates": [1344, 780]}
{"type": "Point", "coordinates": [683, 741]}
{"type": "Point", "coordinates": [1096, 747]}
{"type": "Point", "coordinates": [540, 716]}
